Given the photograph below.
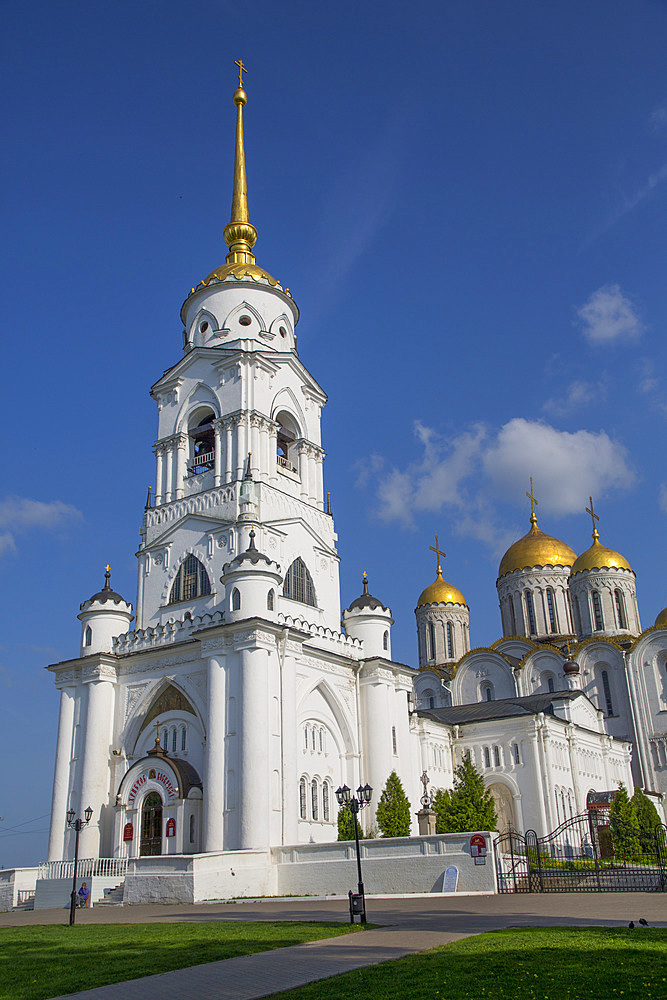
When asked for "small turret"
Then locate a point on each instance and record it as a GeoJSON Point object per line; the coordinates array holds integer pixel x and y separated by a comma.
{"type": "Point", "coordinates": [252, 583]}
{"type": "Point", "coordinates": [370, 621]}
{"type": "Point", "coordinates": [443, 620]}
{"type": "Point", "coordinates": [103, 616]}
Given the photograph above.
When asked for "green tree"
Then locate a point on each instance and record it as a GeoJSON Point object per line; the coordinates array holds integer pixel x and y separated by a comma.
{"type": "Point", "coordinates": [646, 813]}
{"type": "Point", "coordinates": [624, 826]}
{"type": "Point", "coordinates": [393, 811]}
{"type": "Point", "coordinates": [468, 806]}
{"type": "Point", "coordinates": [345, 823]}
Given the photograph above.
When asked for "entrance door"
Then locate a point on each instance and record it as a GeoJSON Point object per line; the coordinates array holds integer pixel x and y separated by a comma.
{"type": "Point", "coordinates": [151, 825]}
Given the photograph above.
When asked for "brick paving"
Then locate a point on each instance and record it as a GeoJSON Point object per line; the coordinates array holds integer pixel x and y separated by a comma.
{"type": "Point", "coordinates": [408, 925]}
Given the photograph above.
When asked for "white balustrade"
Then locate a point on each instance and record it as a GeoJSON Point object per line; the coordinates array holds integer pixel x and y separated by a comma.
{"type": "Point", "coordinates": [86, 868]}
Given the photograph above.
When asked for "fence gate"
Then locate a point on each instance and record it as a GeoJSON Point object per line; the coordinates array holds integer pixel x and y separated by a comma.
{"type": "Point", "coordinates": [583, 855]}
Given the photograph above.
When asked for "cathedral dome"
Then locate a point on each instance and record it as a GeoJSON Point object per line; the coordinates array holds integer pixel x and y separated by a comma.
{"type": "Point", "coordinates": [600, 557]}
{"type": "Point", "coordinates": [240, 271]}
{"type": "Point", "coordinates": [441, 592]}
{"type": "Point", "coordinates": [661, 620]}
{"type": "Point", "coordinates": [536, 549]}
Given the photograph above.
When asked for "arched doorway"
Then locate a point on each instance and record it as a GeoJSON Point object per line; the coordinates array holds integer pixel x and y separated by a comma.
{"type": "Point", "coordinates": [502, 800]}
{"type": "Point", "coordinates": [151, 825]}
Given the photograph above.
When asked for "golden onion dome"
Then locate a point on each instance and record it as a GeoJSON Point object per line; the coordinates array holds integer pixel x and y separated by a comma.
{"type": "Point", "coordinates": [661, 620]}
{"type": "Point", "coordinates": [240, 271]}
{"type": "Point", "coordinates": [536, 549]}
{"type": "Point", "coordinates": [600, 557]}
{"type": "Point", "coordinates": [441, 592]}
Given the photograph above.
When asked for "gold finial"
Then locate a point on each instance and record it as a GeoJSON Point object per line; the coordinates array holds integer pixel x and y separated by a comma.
{"type": "Point", "coordinates": [365, 575]}
{"type": "Point", "coordinates": [107, 568]}
{"type": "Point", "coordinates": [157, 732]}
{"type": "Point", "coordinates": [594, 517]}
{"type": "Point", "coordinates": [533, 503]}
{"type": "Point", "coordinates": [438, 553]}
{"type": "Point", "coordinates": [239, 235]}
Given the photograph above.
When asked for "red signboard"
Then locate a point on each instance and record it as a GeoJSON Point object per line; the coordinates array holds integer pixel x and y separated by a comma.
{"type": "Point", "coordinates": [128, 832]}
{"type": "Point", "coordinates": [171, 827]}
{"type": "Point", "coordinates": [477, 845]}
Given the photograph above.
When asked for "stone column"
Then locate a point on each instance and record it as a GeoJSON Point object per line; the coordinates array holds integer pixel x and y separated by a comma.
{"type": "Point", "coordinates": [228, 451]}
{"type": "Point", "coordinates": [303, 470]}
{"type": "Point", "coordinates": [539, 775]}
{"type": "Point", "coordinates": [217, 431]}
{"type": "Point", "coordinates": [264, 451]}
{"type": "Point", "coordinates": [241, 446]}
{"type": "Point", "coordinates": [254, 446]}
{"type": "Point", "coordinates": [95, 771]}
{"type": "Point", "coordinates": [319, 481]}
{"type": "Point", "coordinates": [312, 477]}
{"type": "Point", "coordinates": [377, 761]}
{"type": "Point", "coordinates": [571, 737]}
{"type": "Point", "coordinates": [158, 474]}
{"type": "Point", "coordinates": [273, 452]}
{"type": "Point", "coordinates": [290, 777]}
{"type": "Point", "coordinates": [169, 486]}
{"type": "Point", "coordinates": [61, 776]}
{"type": "Point", "coordinates": [254, 749]}
{"type": "Point", "coordinates": [214, 765]}
{"type": "Point", "coordinates": [181, 465]}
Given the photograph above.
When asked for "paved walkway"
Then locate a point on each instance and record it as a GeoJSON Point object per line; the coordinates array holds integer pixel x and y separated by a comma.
{"type": "Point", "coordinates": [408, 925]}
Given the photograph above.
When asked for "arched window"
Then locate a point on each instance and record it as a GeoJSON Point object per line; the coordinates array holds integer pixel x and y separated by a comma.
{"type": "Point", "coordinates": [550, 685]}
{"type": "Point", "coordinates": [487, 757]}
{"type": "Point", "coordinates": [89, 636]}
{"type": "Point", "coordinates": [430, 641]}
{"type": "Point", "coordinates": [394, 745]}
{"type": "Point", "coordinates": [530, 613]}
{"type": "Point", "coordinates": [512, 616]}
{"type": "Point", "coordinates": [313, 738]}
{"type": "Point", "coordinates": [515, 750]}
{"type": "Point", "coordinates": [487, 692]}
{"type": "Point", "coordinates": [236, 599]}
{"type": "Point", "coordinates": [385, 641]}
{"type": "Point", "coordinates": [597, 611]}
{"type": "Point", "coordinates": [202, 444]}
{"type": "Point", "coordinates": [302, 799]}
{"type": "Point", "coordinates": [321, 740]}
{"type": "Point", "coordinates": [607, 692]}
{"type": "Point", "coordinates": [287, 436]}
{"type": "Point", "coordinates": [325, 801]}
{"type": "Point", "coordinates": [450, 641]}
{"type": "Point", "coordinates": [270, 600]}
{"type": "Point", "coordinates": [299, 584]}
{"type": "Point", "coordinates": [192, 829]}
{"type": "Point", "coordinates": [173, 740]}
{"type": "Point", "coordinates": [183, 740]}
{"type": "Point", "coordinates": [551, 608]}
{"type": "Point", "coordinates": [191, 581]}
{"type": "Point", "coordinates": [621, 620]}
{"type": "Point", "coordinates": [314, 803]}
{"type": "Point", "coordinates": [496, 756]}
{"type": "Point", "coordinates": [305, 737]}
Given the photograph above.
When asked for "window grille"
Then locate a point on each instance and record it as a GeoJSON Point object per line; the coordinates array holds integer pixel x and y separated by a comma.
{"type": "Point", "coordinates": [325, 802]}
{"type": "Point", "coordinates": [190, 582]}
{"type": "Point", "coordinates": [89, 636]}
{"type": "Point", "coordinates": [183, 739]}
{"type": "Point", "coordinates": [173, 740]}
{"type": "Point", "coordinates": [597, 611]}
{"type": "Point", "coordinates": [450, 642]}
{"type": "Point", "coordinates": [305, 737]}
{"type": "Point", "coordinates": [302, 798]}
{"type": "Point", "coordinates": [515, 750]}
{"type": "Point", "coordinates": [488, 692]}
{"type": "Point", "coordinates": [314, 799]}
{"type": "Point", "coordinates": [530, 612]}
{"type": "Point", "coordinates": [551, 608]}
{"type": "Point", "coordinates": [298, 584]}
{"type": "Point", "coordinates": [313, 738]}
{"type": "Point", "coordinates": [620, 609]}
{"type": "Point", "coordinates": [487, 757]}
{"type": "Point", "coordinates": [496, 756]}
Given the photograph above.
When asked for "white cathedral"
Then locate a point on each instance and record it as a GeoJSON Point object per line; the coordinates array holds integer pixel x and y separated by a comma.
{"type": "Point", "coordinates": [228, 715]}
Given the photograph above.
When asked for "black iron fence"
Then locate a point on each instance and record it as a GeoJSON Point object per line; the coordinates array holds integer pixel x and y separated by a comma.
{"type": "Point", "coordinates": [584, 854]}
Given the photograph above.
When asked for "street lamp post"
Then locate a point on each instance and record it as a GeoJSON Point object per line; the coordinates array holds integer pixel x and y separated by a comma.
{"type": "Point", "coordinates": [355, 803]}
{"type": "Point", "coordinates": [77, 825]}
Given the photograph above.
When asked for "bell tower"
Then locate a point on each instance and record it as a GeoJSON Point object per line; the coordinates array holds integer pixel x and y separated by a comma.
{"type": "Point", "coordinates": [238, 443]}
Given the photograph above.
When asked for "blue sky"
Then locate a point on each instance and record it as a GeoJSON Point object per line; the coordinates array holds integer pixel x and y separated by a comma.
{"type": "Point", "coordinates": [467, 200]}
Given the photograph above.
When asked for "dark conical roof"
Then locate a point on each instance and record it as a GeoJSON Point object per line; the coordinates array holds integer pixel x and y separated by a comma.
{"type": "Point", "coordinates": [106, 593]}
{"type": "Point", "coordinates": [366, 601]}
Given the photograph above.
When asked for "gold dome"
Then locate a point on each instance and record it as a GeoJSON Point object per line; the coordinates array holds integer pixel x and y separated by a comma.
{"type": "Point", "coordinates": [536, 549]}
{"type": "Point", "coordinates": [240, 271]}
{"type": "Point", "coordinates": [661, 620]}
{"type": "Point", "coordinates": [441, 592]}
{"type": "Point", "coordinates": [600, 557]}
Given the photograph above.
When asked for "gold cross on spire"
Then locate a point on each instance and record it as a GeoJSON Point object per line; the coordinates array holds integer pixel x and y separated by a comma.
{"type": "Point", "coordinates": [533, 502]}
{"type": "Point", "coordinates": [594, 517]}
{"type": "Point", "coordinates": [438, 553]}
{"type": "Point", "coordinates": [242, 70]}
{"type": "Point", "coordinates": [157, 732]}
{"type": "Point", "coordinates": [108, 568]}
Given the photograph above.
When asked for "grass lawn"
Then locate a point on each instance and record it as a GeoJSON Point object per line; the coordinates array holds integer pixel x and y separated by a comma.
{"type": "Point", "coordinates": [558, 963]}
{"type": "Point", "coordinates": [47, 961]}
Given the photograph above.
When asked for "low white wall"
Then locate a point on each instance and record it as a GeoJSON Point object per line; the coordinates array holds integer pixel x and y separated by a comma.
{"type": "Point", "coordinates": [195, 878]}
{"type": "Point", "coordinates": [392, 865]}
{"type": "Point", "coordinates": [57, 892]}
{"type": "Point", "coordinates": [13, 881]}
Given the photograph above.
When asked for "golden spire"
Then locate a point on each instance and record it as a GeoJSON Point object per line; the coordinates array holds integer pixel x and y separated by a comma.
{"type": "Point", "coordinates": [240, 236]}
{"type": "Point", "coordinates": [533, 503]}
{"type": "Point", "coordinates": [594, 517]}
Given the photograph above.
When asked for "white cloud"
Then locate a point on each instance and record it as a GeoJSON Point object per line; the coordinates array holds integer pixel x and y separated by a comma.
{"type": "Point", "coordinates": [20, 514]}
{"type": "Point", "coordinates": [464, 477]}
{"type": "Point", "coordinates": [608, 316]}
{"type": "Point", "coordinates": [578, 393]}
{"type": "Point", "coordinates": [658, 118]}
